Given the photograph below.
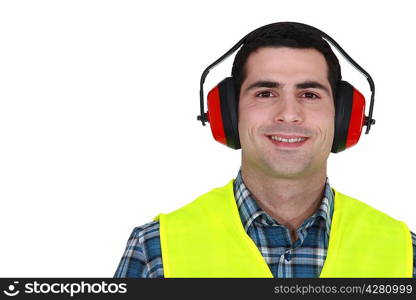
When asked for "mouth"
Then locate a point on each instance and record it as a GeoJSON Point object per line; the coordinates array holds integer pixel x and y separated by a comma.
{"type": "Point", "coordinates": [287, 141]}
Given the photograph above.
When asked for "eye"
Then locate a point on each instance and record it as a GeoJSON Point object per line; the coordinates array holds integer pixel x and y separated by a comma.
{"type": "Point", "coordinates": [310, 95]}
{"type": "Point", "coordinates": [264, 94]}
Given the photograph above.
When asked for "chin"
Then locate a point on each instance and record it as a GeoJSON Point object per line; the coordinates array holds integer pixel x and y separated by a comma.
{"type": "Point", "coordinates": [289, 174]}
{"type": "Point", "coordinates": [291, 169]}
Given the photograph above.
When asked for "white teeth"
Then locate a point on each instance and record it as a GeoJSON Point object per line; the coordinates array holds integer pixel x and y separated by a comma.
{"type": "Point", "coordinates": [280, 139]}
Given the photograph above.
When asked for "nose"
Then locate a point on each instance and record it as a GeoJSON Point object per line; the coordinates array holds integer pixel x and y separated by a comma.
{"type": "Point", "coordinates": [288, 110]}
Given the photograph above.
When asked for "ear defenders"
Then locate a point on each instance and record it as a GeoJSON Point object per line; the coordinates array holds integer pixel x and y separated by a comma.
{"type": "Point", "coordinates": [350, 105]}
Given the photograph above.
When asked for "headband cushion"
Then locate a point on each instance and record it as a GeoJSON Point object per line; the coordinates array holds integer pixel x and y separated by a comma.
{"type": "Point", "coordinates": [229, 108]}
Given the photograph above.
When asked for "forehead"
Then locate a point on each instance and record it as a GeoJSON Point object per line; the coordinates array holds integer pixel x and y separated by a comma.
{"type": "Point", "coordinates": [283, 63]}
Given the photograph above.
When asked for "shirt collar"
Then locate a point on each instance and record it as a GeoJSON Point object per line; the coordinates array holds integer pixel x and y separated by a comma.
{"type": "Point", "coordinates": [250, 211]}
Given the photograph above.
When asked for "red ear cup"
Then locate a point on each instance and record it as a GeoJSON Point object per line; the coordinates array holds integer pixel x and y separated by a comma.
{"type": "Point", "coordinates": [223, 113]}
{"type": "Point", "coordinates": [215, 115]}
{"type": "Point", "coordinates": [349, 117]}
{"type": "Point", "coordinates": [357, 118]}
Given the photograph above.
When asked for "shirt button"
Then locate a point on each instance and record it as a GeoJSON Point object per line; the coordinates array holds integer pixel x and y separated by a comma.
{"type": "Point", "coordinates": [288, 256]}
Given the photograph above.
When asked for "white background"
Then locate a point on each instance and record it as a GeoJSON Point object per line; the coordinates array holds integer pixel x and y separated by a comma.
{"type": "Point", "coordinates": [98, 105]}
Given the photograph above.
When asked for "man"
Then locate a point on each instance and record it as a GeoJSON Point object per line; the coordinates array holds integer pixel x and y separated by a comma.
{"type": "Point", "coordinates": [279, 217]}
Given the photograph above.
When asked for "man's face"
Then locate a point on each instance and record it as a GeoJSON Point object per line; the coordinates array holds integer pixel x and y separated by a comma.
{"type": "Point", "coordinates": [286, 112]}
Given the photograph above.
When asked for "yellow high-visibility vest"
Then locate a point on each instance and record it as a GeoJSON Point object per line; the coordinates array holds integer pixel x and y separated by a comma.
{"type": "Point", "coordinates": [206, 239]}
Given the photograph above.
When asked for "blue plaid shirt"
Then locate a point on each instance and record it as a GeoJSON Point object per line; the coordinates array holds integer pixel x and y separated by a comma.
{"type": "Point", "coordinates": [304, 257]}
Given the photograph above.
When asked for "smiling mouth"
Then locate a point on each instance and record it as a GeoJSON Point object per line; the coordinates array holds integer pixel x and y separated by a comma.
{"type": "Point", "coordinates": [286, 141]}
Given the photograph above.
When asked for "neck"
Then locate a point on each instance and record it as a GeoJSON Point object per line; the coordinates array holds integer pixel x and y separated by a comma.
{"type": "Point", "coordinates": [289, 201]}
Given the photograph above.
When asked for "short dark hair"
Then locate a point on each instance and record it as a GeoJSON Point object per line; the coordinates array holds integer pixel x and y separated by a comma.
{"type": "Point", "coordinates": [292, 35]}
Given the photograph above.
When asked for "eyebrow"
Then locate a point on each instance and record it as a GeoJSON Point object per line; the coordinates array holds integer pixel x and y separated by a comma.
{"type": "Point", "coordinates": [263, 83]}
{"type": "Point", "coordinates": [310, 84]}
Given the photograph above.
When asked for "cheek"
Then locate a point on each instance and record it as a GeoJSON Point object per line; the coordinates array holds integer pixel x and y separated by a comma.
{"type": "Point", "coordinates": [249, 120]}
{"type": "Point", "coordinates": [244, 124]}
{"type": "Point", "coordinates": [330, 127]}
{"type": "Point", "coordinates": [325, 123]}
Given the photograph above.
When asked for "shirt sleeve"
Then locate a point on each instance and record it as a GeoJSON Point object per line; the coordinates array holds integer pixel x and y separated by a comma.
{"type": "Point", "coordinates": [142, 257]}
